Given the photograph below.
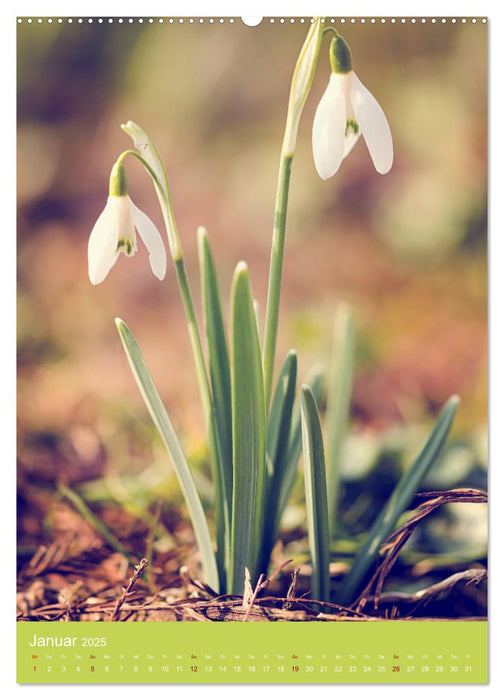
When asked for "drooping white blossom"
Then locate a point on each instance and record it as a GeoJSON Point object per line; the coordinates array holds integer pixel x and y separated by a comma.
{"type": "Point", "coordinates": [347, 110]}
{"type": "Point", "coordinates": [114, 233]}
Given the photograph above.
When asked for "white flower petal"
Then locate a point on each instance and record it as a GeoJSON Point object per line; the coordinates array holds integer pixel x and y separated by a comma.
{"type": "Point", "coordinates": [102, 246]}
{"type": "Point", "coordinates": [153, 241]}
{"type": "Point", "coordinates": [329, 125]}
{"type": "Point", "coordinates": [373, 124]}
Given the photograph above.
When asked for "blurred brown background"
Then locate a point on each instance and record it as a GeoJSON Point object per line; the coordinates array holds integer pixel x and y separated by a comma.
{"type": "Point", "coordinates": [407, 250]}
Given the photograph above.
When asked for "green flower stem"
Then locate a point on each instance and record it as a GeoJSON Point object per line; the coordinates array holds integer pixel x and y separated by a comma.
{"type": "Point", "coordinates": [183, 281]}
{"type": "Point", "coordinates": [136, 155]}
{"type": "Point", "coordinates": [300, 87]}
{"type": "Point", "coordinates": [330, 30]}
{"type": "Point", "coordinates": [223, 499]}
{"type": "Point", "coordinates": [275, 276]}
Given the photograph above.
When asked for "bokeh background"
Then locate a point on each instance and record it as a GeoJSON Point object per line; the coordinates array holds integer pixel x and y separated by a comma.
{"type": "Point", "coordinates": [407, 250]}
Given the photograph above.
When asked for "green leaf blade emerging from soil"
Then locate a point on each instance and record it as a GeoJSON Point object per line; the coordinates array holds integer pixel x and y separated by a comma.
{"type": "Point", "coordinates": [249, 441]}
{"type": "Point", "coordinates": [162, 422]}
{"type": "Point", "coordinates": [339, 394]}
{"type": "Point", "coordinates": [315, 381]}
{"type": "Point", "coordinates": [316, 494]}
{"type": "Point", "coordinates": [398, 501]}
{"type": "Point", "coordinates": [81, 506]}
{"type": "Point", "coordinates": [277, 440]}
{"type": "Point", "coordinates": [218, 360]}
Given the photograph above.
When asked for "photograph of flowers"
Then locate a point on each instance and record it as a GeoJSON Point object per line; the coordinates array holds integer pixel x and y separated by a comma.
{"type": "Point", "coordinates": [252, 276]}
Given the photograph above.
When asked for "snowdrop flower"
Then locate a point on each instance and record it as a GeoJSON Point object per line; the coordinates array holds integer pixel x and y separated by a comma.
{"type": "Point", "coordinates": [347, 110]}
{"type": "Point", "coordinates": [114, 232]}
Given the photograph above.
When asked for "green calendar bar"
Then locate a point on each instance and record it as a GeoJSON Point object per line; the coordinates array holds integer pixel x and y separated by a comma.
{"type": "Point", "coordinates": [252, 652]}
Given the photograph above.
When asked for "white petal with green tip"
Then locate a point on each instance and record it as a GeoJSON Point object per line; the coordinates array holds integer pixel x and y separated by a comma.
{"type": "Point", "coordinates": [329, 125]}
{"type": "Point", "coordinates": [373, 124]}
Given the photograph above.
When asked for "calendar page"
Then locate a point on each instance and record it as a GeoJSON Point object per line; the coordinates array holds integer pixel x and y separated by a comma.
{"type": "Point", "coordinates": [252, 273]}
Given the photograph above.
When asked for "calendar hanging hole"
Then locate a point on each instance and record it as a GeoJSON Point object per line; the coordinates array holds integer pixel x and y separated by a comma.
{"type": "Point", "coordinates": [252, 21]}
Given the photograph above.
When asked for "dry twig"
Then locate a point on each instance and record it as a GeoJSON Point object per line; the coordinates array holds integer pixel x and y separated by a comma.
{"type": "Point", "coordinates": [128, 591]}
{"type": "Point", "coordinates": [291, 593]}
{"type": "Point", "coordinates": [249, 595]}
{"type": "Point", "coordinates": [398, 539]}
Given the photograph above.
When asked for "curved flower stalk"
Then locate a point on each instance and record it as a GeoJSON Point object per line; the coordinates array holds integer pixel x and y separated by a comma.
{"type": "Point", "coordinates": [347, 110]}
{"type": "Point", "coordinates": [149, 156]}
{"type": "Point", "coordinates": [114, 232]}
{"type": "Point", "coordinates": [147, 150]}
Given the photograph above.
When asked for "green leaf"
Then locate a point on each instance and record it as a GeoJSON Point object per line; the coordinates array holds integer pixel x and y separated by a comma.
{"type": "Point", "coordinates": [339, 394]}
{"type": "Point", "coordinates": [315, 381]}
{"type": "Point", "coordinates": [163, 424]}
{"type": "Point", "coordinates": [279, 423]}
{"type": "Point", "coordinates": [249, 469]}
{"type": "Point", "coordinates": [277, 439]}
{"type": "Point", "coordinates": [81, 506]}
{"type": "Point", "coordinates": [399, 500]}
{"type": "Point", "coordinates": [218, 359]}
{"type": "Point", "coordinates": [316, 494]}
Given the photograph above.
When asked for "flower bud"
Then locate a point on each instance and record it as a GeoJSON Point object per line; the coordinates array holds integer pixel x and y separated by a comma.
{"type": "Point", "coordinates": [118, 184]}
{"type": "Point", "coordinates": [340, 56]}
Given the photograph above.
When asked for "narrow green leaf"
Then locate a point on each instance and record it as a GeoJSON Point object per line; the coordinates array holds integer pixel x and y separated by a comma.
{"type": "Point", "coordinates": [401, 497]}
{"type": "Point", "coordinates": [218, 359]}
{"type": "Point", "coordinates": [279, 423]}
{"type": "Point", "coordinates": [339, 394]}
{"type": "Point", "coordinates": [315, 381]}
{"type": "Point", "coordinates": [249, 469]}
{"type": "Point", "coordinates": [163, 424]}
{"type": "Point", "coordinates": [316, 494]}
{"type": "Point", "coordinates": [277, 439]}
{"type": "Point", "coordinates": [222, 517]}
{"type": "Point", "coordinates": [257, 311]}
{"type": "Point", "coordinates": [81, 506]}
